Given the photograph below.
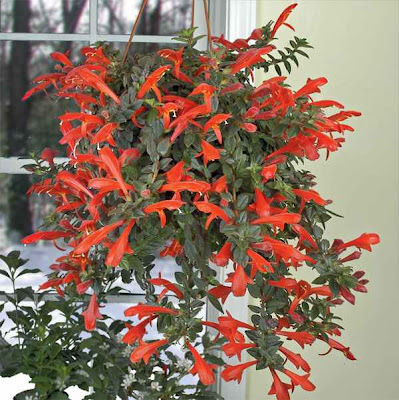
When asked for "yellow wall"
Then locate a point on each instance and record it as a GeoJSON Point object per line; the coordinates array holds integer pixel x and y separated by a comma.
{"type": "Point", "coordinates": [356, 48]}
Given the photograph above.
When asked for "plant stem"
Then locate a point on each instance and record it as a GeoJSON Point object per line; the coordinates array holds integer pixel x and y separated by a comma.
{"type": "Point", "coordinates": [16, 308]}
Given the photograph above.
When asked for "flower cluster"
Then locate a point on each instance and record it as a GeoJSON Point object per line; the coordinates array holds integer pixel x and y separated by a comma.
{"type": "Point", "coordinates": [179, 150]}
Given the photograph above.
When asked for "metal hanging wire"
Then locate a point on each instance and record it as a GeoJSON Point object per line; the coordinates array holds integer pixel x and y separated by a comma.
{"type": "Point", "coordinates": [132, 33]}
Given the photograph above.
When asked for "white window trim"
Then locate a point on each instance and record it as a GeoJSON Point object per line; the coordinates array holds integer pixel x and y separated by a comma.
{"type": "Point", "coordinates": [237, 19]}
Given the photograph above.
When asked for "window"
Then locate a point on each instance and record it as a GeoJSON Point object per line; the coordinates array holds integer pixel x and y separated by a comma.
{"type": "Point", "coordinates": [29, 31]}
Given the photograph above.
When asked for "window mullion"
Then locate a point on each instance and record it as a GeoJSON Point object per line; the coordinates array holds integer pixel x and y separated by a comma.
{"type": "Point", "coordinates": [93, 21]}
{"type": "Point", "coordinates": [59, 37]}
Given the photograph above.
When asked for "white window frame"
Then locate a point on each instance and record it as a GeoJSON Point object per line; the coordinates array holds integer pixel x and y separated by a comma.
{"type": "Point", "coordinates": [234, 18]}
{"type": "Point", "coordinates": [237, 19]}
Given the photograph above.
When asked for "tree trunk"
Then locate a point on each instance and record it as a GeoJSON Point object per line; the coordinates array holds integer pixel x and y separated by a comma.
{"type": "Point", "coordinates": [17, 116]}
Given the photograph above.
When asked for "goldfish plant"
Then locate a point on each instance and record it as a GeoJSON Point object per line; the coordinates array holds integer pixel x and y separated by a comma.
{"type": "Point", "coordinates": [179, 154]}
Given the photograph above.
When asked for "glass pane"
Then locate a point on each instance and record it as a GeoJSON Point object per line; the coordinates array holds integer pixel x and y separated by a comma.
{"type": "Point", "coordinates": [31, 125]}
{"type": "Point", "coordinates": [43, 16]}
{"type": "Point", "coordinates": [161, 17]}
{"type": "Point", "coordinates": [143, 48]}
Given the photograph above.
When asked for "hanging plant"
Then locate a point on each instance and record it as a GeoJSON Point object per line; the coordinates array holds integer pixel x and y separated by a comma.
{"type": "Point", "coordinates": [179, 152]}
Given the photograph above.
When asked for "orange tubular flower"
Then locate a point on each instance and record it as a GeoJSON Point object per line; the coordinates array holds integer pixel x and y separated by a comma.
{"type": "Point", "coordinates": [260, 263]}
{"type": "Point", "coordinates": [220, 185]}
{"type": "Point", "coordinates": [279, 388]}
{"type": "Point", "coordinates": [249, 58]}
{"type": "Point", "coordinates": [82, 287]}
{"type": "Point", "coordinates": [192, 186]}
{"type": "Point", "coordinates": [165, 111]}
{"type": "Point", "coordinates": [203, 369]}
{"type": "Point", "coordinates": [228, 322]}
{"type": "Point", "coordinates": [93, 80]}
{"type": "Point", "coordinates": [312, 86]}
{"type": "Point", "coordinates": [136, 113]}
{"type": "Point", "coordinates": [143, 310]}
{"type": "Point", "coordinates": [182, 121]}
{"type": "Point", "coordinates": [325, 103]}
{"type": "Point", "coordinates": [222, 258]}
{"type": "Point", "coordinates": [302, 381]}
{"type": "Point", "coordinates": [120, 247]}
{"type": "Point", "coordinates": [282, 18]}
{"type": "Point", "coordinates": [146, 350]}
{"type": "Point", "coordinates": [268, 172]}
{"type": "Point", "coordinates": [232, 349]}
{"type": "Point", "coordinates": [220, 292]}
{"type": "Point", "coordinates": [105, 134]}
{"type": "Point", "coordinates": [340, 347]}
{"type": "Point", "coordinates": [96, 237]}
{"type": "Point", "coordinates": [51, 283]}
{"type": "Point", "coordinates": [212, 209]}
{"type": "Point", "coordinates": [206, 90]}
{"type": "Point", "coordinates": [45, 235]}
{"type": "Point", "coordinates": [295, 359]}
{"type": "Point", "coordinates": [234, 372]}
{"type": "Point", "coordinates": [128, 155]}
{"type": "Point", "coordinates": [309, 195]}
{"type": "Point", "coordinates": [138, 331]}
{"type": "Point", "coordinates": [285, 251]}
{"type": "Point", "coordinates": [161, 206]}
{"type": "Point", "coordinates": [209, 152]}
{"type": "Point", "coordinates": [112, 164]}
{"type": "Point", "coordinates": [214, 123]}
{"type": "Point", "coordinates": [262, 204]}
{"type": "Point", "coordinates": [305, 238]}
{"type": "Point", "coordinates": [278, 220]}
{"type": "Point", "coordinates": [240, 281]}
{"type": "Point", "coordinates": [177, 59]}
{"type": "Point", "coordinates": [364, 241]}
{"type": "Point", "coordinates": [173, 250]}
{"type": "Point", "coordinates": [232, 88]}
{"type": "Point", "coordinates": [151, 83]}
{"type": "Point", "coordinates": [105, 185]}
{"type": "Point", "coordinates": [48, 155]}
{"type": "Point", "coordinates": [91, 314]}
{"type": "Point", "coordinates": [169, 286]}
{"type": "Point", "coordinates": [61, 58]}
{"type": "Point", "coordinates": [70, 179]}
{"type": "Point", "coordinates": [175, 174]}
{"type": "Point", "coordinates": [301, 338]}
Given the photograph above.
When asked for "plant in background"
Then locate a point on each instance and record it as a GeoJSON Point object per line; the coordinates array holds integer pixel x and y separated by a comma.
{"type": "Point", "coordinates": [179, 151]}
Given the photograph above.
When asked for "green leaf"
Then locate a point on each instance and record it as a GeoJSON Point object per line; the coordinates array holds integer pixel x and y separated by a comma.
{"type": "Point", "coordinates": [28, 271]}
{"type": "Point", "coordinates": [302, 53]}
{"type": "Point", "coordinates": [242, 201]}
{"type": "Point", "coordinates": [215, 302]}
{"type": "Point", "coordinates": [5, 273]}
{"type": "Point", "coordinates": [163, 146]}
{"type": "Point", "coordinates": [59, 396]}
{"type": "Point", "coordinates": [26, 394]}
{"type": "Point", "coordinates": [278, 69]}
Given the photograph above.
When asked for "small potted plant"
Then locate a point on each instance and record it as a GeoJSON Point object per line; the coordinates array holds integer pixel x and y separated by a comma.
{"type": "Point", "coordinates": [178, 154]}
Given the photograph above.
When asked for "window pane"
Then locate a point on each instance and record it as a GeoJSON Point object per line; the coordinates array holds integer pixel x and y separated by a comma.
{"type": "Point", "coordinates": [31, 125]}
{"type": "Point", "coordinates": [161, 17]}
{"type": "Point", "coordinates": [44, 16]}
{"type": "Point", "coordinates": [143, 48]}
